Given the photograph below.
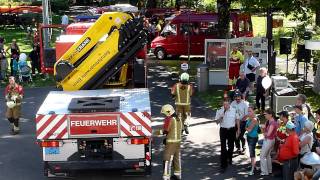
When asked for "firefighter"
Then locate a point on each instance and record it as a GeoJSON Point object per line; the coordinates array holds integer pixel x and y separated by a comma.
{"type": "Point", "coordinates": [236, 59]}
{"type": "Point", "coordinates": [172, 129]}
{"type": "Point", "coordinates": [13, 95]}
{"type": "Point", "coordinates": [182, 92]}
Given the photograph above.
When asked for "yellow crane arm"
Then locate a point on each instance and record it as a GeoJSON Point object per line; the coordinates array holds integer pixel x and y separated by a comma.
{"type": "Point", "coordinates": [89, 63]}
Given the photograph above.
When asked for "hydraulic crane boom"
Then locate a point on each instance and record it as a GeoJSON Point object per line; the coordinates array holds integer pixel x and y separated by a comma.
{"type": "Point", "coordinates": [89, 62]}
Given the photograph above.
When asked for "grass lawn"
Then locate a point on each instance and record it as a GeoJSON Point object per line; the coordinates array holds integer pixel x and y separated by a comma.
{"type": "Point", "coordinates": [25, 44]}
{"type": "Point", "coordinates": [37, 81]}
{"type": "Point", "coordinates": [212, 98]}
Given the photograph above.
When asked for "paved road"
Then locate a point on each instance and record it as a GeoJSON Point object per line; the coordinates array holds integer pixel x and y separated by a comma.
{"type": "Point", "coordinates": [20, 157]}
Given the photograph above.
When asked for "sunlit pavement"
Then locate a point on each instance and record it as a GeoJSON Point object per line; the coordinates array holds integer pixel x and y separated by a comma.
{"type": "Point", "coordinates": [21, 158]}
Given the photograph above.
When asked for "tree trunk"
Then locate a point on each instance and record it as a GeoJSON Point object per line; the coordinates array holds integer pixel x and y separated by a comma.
{"type": "Point", "coordinates": [224, 18]}
{"type": "Point", "coordinates": [151, 4]}
{"type": "Point", "coordinates": [316, 83]}
{"type": "Point", "coordinates": [318, 16]}
{"type": "Point", "coordinates": [178, 4]}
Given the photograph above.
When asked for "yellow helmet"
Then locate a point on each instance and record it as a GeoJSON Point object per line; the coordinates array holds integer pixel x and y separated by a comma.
{"type": "Point", "coordinates": [184, 77]}
{"type": "Point", "coordinates": [167, 110]}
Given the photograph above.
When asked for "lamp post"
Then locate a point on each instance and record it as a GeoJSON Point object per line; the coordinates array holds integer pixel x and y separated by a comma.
{"type": "Point", "coordinates": [314, 45]}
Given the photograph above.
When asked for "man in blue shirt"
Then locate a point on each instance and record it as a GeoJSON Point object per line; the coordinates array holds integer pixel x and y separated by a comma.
{"type": "Point", "coordinates": [299, 119]}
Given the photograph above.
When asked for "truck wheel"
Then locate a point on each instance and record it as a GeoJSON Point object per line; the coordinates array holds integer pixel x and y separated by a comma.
{"type": "Point", "coordinates": [160, 53]}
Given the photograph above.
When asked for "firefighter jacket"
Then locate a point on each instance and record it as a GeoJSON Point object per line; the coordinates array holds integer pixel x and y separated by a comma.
{"type": "Point", "coordinates": [236, 57]}
{"type": "Point", "coordinates": [173, 128]}
{"type": "Point", "coordinates": [182, 93]}
{"type": "Point", "coordinates": [14, 93]}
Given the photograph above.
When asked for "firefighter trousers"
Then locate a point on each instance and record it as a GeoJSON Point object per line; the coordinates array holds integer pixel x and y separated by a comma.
{"type": "Point", "coordinates": [172, 158]}
{"type": "Point", "coordinates": [183, 111]}
{"type": "Point", "coordinates": [14, 112]}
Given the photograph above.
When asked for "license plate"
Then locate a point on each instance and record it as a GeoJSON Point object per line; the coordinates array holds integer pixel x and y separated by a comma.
{"type": "Point", "coordinates": [52, 150]}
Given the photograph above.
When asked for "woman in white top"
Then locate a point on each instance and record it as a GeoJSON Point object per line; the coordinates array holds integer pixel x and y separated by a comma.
{"type": "Point", "coordinates": [306, 139]}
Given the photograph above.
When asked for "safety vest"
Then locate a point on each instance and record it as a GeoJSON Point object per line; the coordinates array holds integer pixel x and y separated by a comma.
{"type": "Point", "coordinates": [175, 128]}
{"type": "Point", "coordinates": [183, 95]}
{"type": "Point", "coordinates": [237, 55]}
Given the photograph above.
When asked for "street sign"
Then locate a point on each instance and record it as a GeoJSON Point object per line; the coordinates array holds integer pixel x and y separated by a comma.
{"type": "Point", "coordinates": [184, 66]}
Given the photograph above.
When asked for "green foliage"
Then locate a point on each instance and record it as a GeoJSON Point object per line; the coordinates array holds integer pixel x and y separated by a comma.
{"type": "Point", "coordinates": [313, 99]}
{"type": "Point", "coordinates": [209, 5]}
{"type": "Point", "coordinates": [14, 2]}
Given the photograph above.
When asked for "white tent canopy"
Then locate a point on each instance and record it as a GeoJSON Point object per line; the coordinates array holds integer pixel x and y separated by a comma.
{"type": "Point", "coordinates": [124, 8]}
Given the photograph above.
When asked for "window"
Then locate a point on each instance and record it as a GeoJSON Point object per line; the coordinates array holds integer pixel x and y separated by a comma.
{"type": "Point", "coordinates": [169, 29]}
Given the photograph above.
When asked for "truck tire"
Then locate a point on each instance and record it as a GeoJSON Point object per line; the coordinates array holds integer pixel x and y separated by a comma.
{"type": "Point", "coordinates": [160, 53]}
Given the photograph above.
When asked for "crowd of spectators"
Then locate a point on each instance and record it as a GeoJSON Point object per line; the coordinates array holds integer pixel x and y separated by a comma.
{"type": "Point", "coordinates": [11, 63]}
{"type": "Point", "coordinates": [287, 136]}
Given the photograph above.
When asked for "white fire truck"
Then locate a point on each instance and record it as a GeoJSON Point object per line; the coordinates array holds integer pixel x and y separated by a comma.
{"type": "Point", "coordinates": [87, 126]}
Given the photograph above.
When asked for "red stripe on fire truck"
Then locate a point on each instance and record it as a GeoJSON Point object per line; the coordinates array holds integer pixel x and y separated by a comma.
{"type": "Point", "coordinates": [143, 121]}
{"type": "Point", "coordinates": [136, 123]}
{"type": "Point", "coordinates": [124, 117]}
{"type": "Point", "coordinates": [52, 127]}
{"type": "Point", "coordinates": [131, 124]}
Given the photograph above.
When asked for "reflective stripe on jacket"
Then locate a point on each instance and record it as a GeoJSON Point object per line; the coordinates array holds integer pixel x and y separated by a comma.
{"type": "Point", "coordinates": [174, 133]}
{"type": "Point", "coordinates": [183, 94]}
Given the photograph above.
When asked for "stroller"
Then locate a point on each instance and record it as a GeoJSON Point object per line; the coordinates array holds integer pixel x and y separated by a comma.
{"type": "Point", "coordinates": [24, 71]}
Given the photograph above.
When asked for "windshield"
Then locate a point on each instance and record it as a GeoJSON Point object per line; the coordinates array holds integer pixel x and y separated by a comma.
{"type": "Point", "coordinates": [169, 29]}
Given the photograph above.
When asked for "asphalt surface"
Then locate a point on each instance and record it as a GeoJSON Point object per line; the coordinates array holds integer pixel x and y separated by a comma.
{"type": "Point", "coordinates": [21, 158]}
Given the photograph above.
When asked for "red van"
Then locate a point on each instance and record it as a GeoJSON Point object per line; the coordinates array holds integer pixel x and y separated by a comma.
{"type": "Point", "coordinates": [174, 37]}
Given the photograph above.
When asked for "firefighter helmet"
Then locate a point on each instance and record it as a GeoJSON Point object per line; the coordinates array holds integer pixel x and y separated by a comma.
{"type": "Point", "coordinates": [184, 77]}
{"type": "Point", "coordinates": [167, 110]}
{"type": "Point", "coordinates": [11, 104]}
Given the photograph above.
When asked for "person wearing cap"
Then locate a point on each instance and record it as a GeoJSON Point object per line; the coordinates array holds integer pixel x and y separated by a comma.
{"type": "Point", "coordinates": [243, 84]}
{"type": "Point", "coordinates": [241, 107]}
{"type": "Point", "coordinates": [299, 119]}
{"type": "Point", "coordinates": [306, 140]}
{"type": "Point", "coordinates": [289, 151]}
{"type": "Point", "coordinates": [172, 130]}
{"type": "Point", "coordinates": [182, 92]}
{"type": "Point", "coordinates": [229, 127]}
{"type": "Point", "coordinates": [14, 94]}
{"type": "Point", "coordinates": [302, 100]}
{"type": "Point", "coordinates": [236, 59]}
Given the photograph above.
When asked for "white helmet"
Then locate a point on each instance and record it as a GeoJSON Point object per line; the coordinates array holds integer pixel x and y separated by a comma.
{"type": "Point", "coordinates": [184, 77]}
{"type": "Point", "coordinates": [167, 110]}
{"type": "Point", "coordinates": [11, 104]}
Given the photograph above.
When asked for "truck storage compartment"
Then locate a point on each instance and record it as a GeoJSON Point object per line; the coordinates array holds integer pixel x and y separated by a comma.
{"type": "Point", "coordinates": [94, 104]}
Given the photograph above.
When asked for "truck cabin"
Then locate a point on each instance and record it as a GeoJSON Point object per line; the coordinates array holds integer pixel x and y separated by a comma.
{"type": "Point", "coordinates": [206, 23]}
{"type": "Point", "coordinates": [194, 28]}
